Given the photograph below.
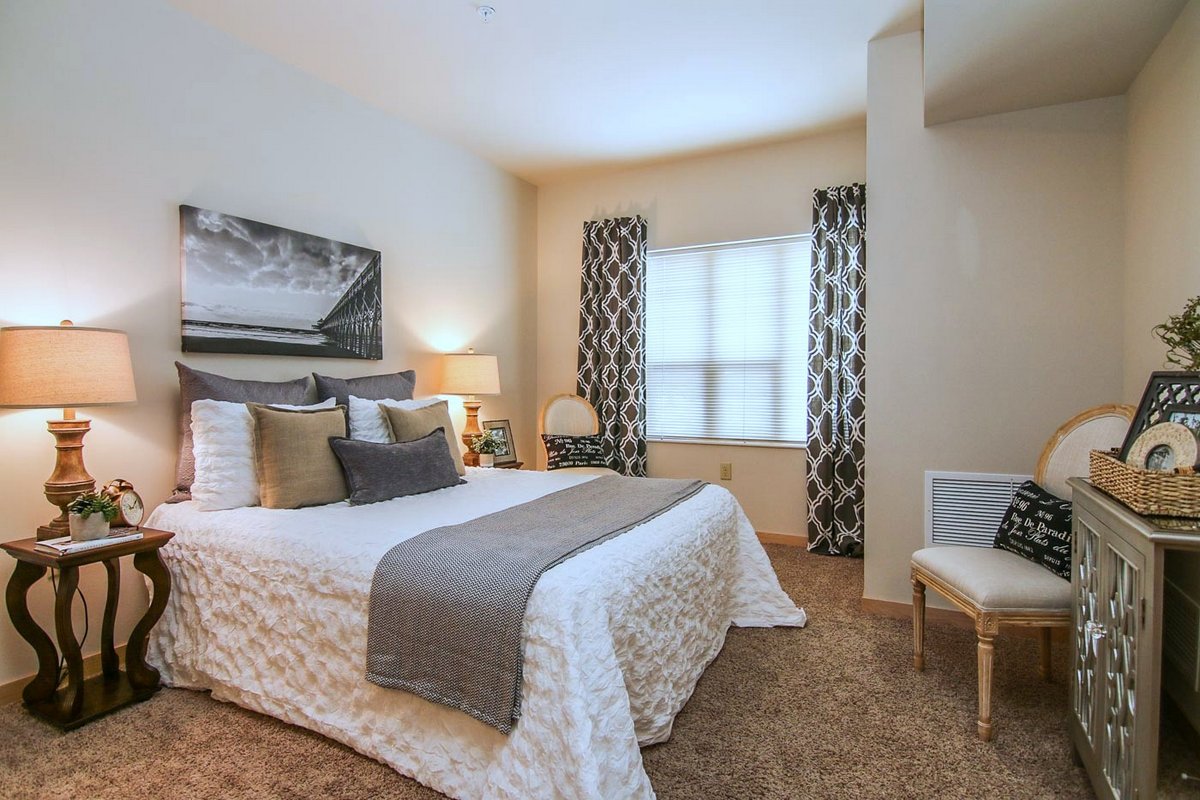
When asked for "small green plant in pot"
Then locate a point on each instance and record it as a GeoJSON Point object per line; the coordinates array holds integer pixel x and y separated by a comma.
{"type": "Point", "coordinates": [89, 516]}
{"type": "Point", "coordinates": [1181, 335]}
{"type": "Point", "coordinates": [486, 445]}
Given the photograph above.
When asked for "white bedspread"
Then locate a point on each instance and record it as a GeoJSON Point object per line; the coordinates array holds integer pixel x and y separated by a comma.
{"type": "Point", "coordinates": [268, 609]}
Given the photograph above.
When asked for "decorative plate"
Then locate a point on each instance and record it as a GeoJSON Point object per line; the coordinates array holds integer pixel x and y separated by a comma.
{"type": "Point", "coordinates": [1163, 448]}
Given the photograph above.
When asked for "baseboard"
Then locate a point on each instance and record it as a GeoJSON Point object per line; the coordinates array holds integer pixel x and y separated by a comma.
{"type": "Point", "coordinates": [789, 539]}
{"type": "Point", "coordinates": [11, 692]}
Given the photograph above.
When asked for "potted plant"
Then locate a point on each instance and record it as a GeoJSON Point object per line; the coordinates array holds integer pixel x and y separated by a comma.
{"type": "Point", "coordinates": [486, 445]}
{"type": "Point", "coordinates": [89, 516]}
{"type": "Point", "coordinates": [1181, 335]}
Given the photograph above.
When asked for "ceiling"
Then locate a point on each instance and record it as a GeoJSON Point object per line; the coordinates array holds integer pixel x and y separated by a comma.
{"type": "Point", "coordinates": [991, 56]}
{"type": "Point", "coordinates": [550, 88]}
{"type": "Point", "coordinates": [553, 87]}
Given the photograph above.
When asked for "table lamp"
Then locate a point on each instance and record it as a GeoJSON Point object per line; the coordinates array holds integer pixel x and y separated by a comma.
{"type": "Point", "coordinates": [65, 367]}
{"type": "Point", "coordinates": [471, 374]}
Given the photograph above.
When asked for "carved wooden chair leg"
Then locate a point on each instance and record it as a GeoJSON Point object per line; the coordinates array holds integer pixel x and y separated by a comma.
{"type": "Point", "coordinates": [918, 623]}
{"type": "Point", "coordinates": [1046, 669]}
{"type": "Point", "coordinates": [986, 628]}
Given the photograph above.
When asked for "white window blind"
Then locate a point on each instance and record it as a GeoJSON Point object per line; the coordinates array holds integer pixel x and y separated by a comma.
{"type": "Point", "coordinates": [727, 341]}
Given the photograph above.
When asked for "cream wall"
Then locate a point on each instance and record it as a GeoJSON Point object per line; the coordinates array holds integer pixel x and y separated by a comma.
{"type": "Point", "coordinates": [994, 278]}
{"type": "Point", "coordinates": [1162, 240]}
{"type": "Point", "coordinates": [115, 113]}
{"type": "Point", "coordinates": [757, 192]}
{"type": "Point", "coordinates": [1162, 219]}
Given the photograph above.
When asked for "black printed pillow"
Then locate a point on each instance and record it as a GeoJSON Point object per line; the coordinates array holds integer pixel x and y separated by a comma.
{"type": "Point", "coordinates": [1037, 526]}
{"type": "Point", "coordinates": [564, 452]}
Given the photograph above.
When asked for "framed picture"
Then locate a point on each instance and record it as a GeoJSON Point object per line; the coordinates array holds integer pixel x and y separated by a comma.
{"type": "Point", "coordinates": [506, 453]}
{"type": "Point", "coordinates": [1187, 416]}
{"type": "Point", "coordinates": [1165, 392]}
{"type": "Point", "coordinates": [250, 287]}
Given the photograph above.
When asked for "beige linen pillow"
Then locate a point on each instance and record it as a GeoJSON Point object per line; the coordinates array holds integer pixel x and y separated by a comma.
{"type": "Point", "coordinates": [410, 424]}
{"type": "Point", "coordinates": [296, 466]}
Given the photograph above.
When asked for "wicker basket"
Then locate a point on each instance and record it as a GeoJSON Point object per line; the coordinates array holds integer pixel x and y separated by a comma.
{"type": "Point", "coordinates": [1148, 492]}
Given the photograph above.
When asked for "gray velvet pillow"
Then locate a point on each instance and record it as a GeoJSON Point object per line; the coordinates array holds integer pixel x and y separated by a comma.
{"type": "Point", "coordinates": [196, 385]}
{"type": "Point", "coordinates": [393, 386]}
{"type": "Point", "coordinates": [376, 472]}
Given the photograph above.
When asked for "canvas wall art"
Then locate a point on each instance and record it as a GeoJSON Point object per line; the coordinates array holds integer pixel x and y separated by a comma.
{"type": "Point", "coordinates": [249, 287]}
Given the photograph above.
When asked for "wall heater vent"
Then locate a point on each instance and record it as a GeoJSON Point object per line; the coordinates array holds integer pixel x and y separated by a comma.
{"type": "Point", "coordinates": [965, 508]}
{"type": "Point", "coordinates": [1181, 631]}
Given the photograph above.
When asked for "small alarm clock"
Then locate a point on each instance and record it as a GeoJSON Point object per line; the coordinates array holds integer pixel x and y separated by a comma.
{"type": "Point", "coordinates": [130, 509]}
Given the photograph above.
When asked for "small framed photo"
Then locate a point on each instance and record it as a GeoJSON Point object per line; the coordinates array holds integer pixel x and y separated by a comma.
{"type": "Point", "coordinates": [1187, 416]}
{"type": "Point", "coordinates": [1164, 391]}
{"type": "Point", "coordinates": [506, 453]}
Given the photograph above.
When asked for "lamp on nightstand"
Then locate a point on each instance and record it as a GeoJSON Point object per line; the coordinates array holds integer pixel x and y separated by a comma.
{"type": "Point", "coordinates": [65, 367]}
{"type": "Point", "coordinates": [471, 374]}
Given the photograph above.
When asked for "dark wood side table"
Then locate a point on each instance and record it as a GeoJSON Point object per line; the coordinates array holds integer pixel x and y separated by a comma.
{"type": "Point", "coordinates": [511, 465]}
{"type": "Point", "coordinates": [83, 701]}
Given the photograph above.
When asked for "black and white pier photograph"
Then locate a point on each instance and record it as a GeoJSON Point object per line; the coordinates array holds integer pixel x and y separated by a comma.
{"type": "Point", "coordinates": [250, 287]}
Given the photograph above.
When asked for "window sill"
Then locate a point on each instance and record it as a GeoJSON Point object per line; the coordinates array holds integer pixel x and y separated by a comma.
{"type": "Point", "coordinates": [730, 443]}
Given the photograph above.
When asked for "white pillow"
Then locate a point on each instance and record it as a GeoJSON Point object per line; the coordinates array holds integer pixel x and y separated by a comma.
{"type": "Point", "coordinates": [224, 447]}
{"type": "Point", "coordinates": [368, 423]}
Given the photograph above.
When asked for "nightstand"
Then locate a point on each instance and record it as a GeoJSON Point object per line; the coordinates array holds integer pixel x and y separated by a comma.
{"type": "Point", "coordinates": [82, 701]}
{"type": "Point", "coordinates": [510, 465]}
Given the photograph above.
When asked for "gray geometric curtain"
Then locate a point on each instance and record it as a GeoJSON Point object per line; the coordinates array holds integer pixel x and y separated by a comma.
{"type": "Point", "coordinates": [612, 343]}
{"type": "Point", "coordinates": [837, 371]}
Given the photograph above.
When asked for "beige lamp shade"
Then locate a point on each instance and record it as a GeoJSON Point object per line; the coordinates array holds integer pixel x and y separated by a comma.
{"type": "Point", "coordinates": [64, 366]}
{"type": "Point", "coordinates": [470, 373]}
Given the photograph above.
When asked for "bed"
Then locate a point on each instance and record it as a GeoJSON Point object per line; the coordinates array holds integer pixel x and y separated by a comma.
{"type": "Point", "coordinates": [268, 610]}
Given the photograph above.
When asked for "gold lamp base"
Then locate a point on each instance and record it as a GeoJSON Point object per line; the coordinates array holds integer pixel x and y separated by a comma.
{"type": "Point", "coordinates": [470, 431]}
{"type": "Point", "coordinates": [69, 479]}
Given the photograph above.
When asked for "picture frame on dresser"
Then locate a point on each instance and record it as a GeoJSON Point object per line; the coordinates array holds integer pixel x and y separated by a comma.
{"type": "Point", "coordinates": [1165, 391]}
{"type": "Point", "coordinates": [1187, 416]}
{"type": "Point", "coordinates": [506, 453]}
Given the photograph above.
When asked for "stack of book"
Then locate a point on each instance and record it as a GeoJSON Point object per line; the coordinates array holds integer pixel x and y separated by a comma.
{"type": "Point", "coordinates": [64, 545]}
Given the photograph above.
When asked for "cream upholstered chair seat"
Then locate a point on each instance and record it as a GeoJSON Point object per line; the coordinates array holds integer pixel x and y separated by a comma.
{"type": "Point", "coordinates": [996, 587]}
{"type": "Point", "coordinates": [570, 415]}
{"type": "Point", "coordinates": [995, 580]}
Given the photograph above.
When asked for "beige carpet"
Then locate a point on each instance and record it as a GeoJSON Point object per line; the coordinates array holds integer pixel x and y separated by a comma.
{"type": "Point", "coordinates": [832, 711]}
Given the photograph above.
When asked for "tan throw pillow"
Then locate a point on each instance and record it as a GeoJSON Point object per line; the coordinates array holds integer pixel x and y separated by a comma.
{"type": "Point", "coordinates": [408, 425]}
{"type": "Point", "coordinates": [296, 466]}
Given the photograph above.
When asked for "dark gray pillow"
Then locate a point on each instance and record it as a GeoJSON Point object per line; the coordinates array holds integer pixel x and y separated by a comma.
{"type": "Point", "coordinates": [196, 385]}
{"type": "Point", "coordinates": [393, 386]}
{"type": "Point", "coordinates": [377, 472]}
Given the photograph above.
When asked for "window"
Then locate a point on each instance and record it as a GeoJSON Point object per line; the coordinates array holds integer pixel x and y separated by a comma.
{"type": "Point", "coordinates": [727, 342]}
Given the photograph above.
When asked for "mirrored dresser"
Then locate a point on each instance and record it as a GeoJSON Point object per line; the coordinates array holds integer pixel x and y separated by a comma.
{"type": "Point", "coordinates": [1116, 648]}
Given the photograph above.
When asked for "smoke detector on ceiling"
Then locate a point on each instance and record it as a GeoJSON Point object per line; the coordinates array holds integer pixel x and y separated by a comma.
{"type": "Point", "coordinates": [486, 13]}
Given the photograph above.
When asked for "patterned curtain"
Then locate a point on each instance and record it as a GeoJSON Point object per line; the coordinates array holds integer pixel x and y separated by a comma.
{"type": "Point", "coordinates": [836, 371]}
{"type": "Point", "coordinates": [612, 344]}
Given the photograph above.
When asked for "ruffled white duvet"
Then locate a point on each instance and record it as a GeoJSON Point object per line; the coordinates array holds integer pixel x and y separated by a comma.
{"type": "Point", "coordinates": [268, 609]}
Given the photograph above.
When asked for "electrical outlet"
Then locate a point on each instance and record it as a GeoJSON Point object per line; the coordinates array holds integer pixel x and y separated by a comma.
{"type": "Point", "coordinates": [726, 471]}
